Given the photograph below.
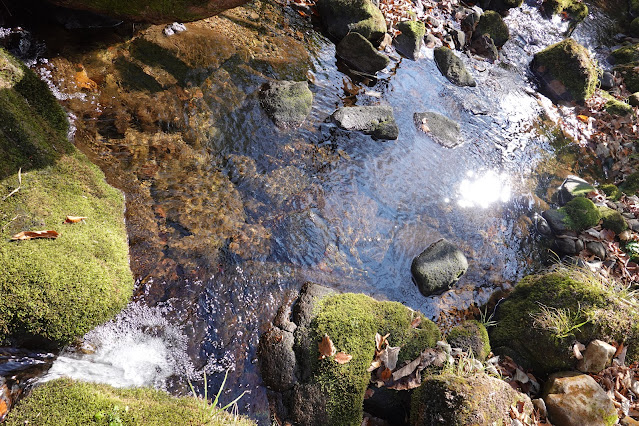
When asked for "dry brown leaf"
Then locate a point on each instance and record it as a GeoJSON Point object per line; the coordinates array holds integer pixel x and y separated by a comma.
{"type": "Point", "coordinates": [326, 347]}
{"type": "Point", "coordinates": [74, 219]}
{"type": "Point", "coordinates": [416, 322]}
{"type": "Point", "coordinates": [30, 235]}
{"type": "Point", "coordinates": [411, 381]}
{"type": "Point", "coordinates": [380, 340]}
{"type": "Point", "coordinates": [386, 374]}
{"type": "Point", "coordinates": [342, 358]}
{"type": "Point", "coordinates": [374, 365]}
{"type": "Point", "coordinates": [83, 81]}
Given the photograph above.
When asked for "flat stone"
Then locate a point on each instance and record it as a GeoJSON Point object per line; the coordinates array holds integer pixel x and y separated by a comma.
{"type": "Point", "coordinates": [574, 399]}
{"type": "Point", "coordinates": [287, 103]}
{"type": "Point", "coordinates": [598, 356]}
{"type": "Point", "coordinates": [634, 224]}
{"type": "Point", "coordinates": [566, 245]}
{"type": "Point", "coordinates": [438, 267]}
{"type": "Point", "coordinates": [376, 120]}
{"type": "Point", "coordinates": [442, 129]}
{"type": "Point", "coordinates": [360, 54]}
{"type": "Point", "coordinates": [573, 186]}
{"type": "Point", "coordinates": [597, 249]}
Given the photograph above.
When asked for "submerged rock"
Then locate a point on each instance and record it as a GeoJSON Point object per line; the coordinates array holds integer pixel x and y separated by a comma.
{"type": "Point", "coordinates": [78, 403]}
{"type": "Point", "coordinates": [492, 24]}
{"type": "Point", "coordinates": [361, 54]}
{"type": "Point", "coordinates": [377, 120]}
{"type": "Point", "coordinates": [153, 11]}
{"type": "Point", "coordinates": [410, 41]}
{"type": "Point", "coordinates": [288, 103]}
{"type": "Point", "coordinates": [574, 399]}
{"type": "Point", "coordinates": [442, 129]}
{"type": "Point", "coordinates": [453, 400]}
{"type": "Point", "coordinates": [565, 71]}
{"type": "Point", "coordinates": [360, 16]}
{"type": "Point", "coordinates": [453, 68]}
{"type": "Point", "coordinates": [438, 267]}
{"type": "Point", "coordinates": [277, 360]}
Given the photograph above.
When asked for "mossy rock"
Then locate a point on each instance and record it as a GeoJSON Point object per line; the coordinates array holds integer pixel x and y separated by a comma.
{"type": "Point", "coordinates": [593, 311]}
{"type": "Point", "coordinates": [566, 71]}
{"type": "Point", "coordinates": [67, 402]}
{"type": "Point", "coordinates": [411, 38]}
{"type": "Point", "coordinates": [611, 191]}
{"type": "Point", "coordinates": [470, 335]}
{"type": "Point", "coordinates": [613, 220]}
{"type": "Point", "coordinates": [630, 75]}
{"type": "Point", "coordinates": [343, 16]}
{"type": "Point", "coordinates": [626, 54]}
{"type": "Point", "coordinates": [581, 213]}
{"type": "Point", "coordinates": [351, 321]}
{"type": "Point", "coordinates": [153, 11]}
{"type": "Point", "coordinates": [454, 400]}
{"type": "Point", "coordinates": [614, 106]}
{"type": "Point", "coordinates": [630, 185]}
{"type": "Point", "coordinates": [288, 103]}
{"type": "Point", "coordinates": [54, 290]}
{"type": "Point", "coordinates": [575, 9]}
{"type": "Point", "coordinates": [492, 24]}
{"type": "Point", "coordinates": [634, 7]}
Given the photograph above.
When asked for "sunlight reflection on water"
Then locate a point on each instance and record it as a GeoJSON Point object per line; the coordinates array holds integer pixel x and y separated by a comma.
{"type": "Point", "coordinates": [484, 189]}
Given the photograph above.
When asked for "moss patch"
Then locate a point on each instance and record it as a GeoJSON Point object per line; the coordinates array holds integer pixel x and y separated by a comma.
{"type": "Point", "coordinates": [343, 16]}
{"type": "Point", "coordinates": [351, 321]}
{"type": "Point", "coordinates": [613, 220]}
{"type": "Point", "coordinates": [630, 186]}
{"type": "Point", "coordinates": [581, 213]}
{"type": "Point", "coordinates": [593, 308]}
{"type": "Point", "coordinates": [67, 402]}
{"type": "Point", "coordinates": [614, 106]}
{"type": "Point", "coordinates": [54, 290]}
{"type": "Point", "coordinates": [413, 29]}
{"type": "Point", "coordinates": [612, 192]}
{"type": "Point", "coordinates": [626, 54]}
{"type": "Point", "coordinates": [470, 335]}
{"type": "Point", "coordinates": [575, 9]}
{"type": "Point", "coordinates": [568, 63]}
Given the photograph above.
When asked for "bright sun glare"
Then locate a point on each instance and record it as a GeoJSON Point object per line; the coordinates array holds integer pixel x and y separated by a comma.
{"type": "Point", "coordinates": [483, 189]}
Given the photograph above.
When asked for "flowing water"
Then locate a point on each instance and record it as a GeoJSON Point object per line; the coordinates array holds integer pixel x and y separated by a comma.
{"type": "Point", "coordinates": [228, 215]}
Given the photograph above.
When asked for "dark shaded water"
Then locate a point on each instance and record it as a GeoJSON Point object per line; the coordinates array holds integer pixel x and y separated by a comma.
{"type": "Point", "coordinates": [229, 215]}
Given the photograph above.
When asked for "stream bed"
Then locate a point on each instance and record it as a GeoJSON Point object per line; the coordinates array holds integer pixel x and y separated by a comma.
{"type": "Point", "coordinates": [228, 215]}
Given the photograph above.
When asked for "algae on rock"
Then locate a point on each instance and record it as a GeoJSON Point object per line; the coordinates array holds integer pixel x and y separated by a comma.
{"type": "Point", "coordinates": [470, 336]}
{"type": "Point", "coordinates": [54, 290]}
{"type": "Point", "coordinates": [68, 402]}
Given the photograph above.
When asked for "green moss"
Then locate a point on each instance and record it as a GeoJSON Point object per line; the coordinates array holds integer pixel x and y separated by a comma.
{"type": "Point", "coordinates": [626, 54]}
{"type": "Point", "coordinates": [351, 321]}
{"type": "Point", "coordinates": [632, 248]}
{"type": "Point", "coordinates": [594, 307]}
{"type": "Point", "coordinates": [630, 185]}
{"type": "Point", "coordinates": [630, 75]}
{"type": "Point", "coordinates": [361, 16]}
{"type": "Point", "coordinates": [491, 23]}
{"type": "Point", "coordinates": [569, 63]}
{"type": "Point", "coordinates": [54, 290]}
{"type": "Point", "coordinates": [66, 402]}
{"type": "Point", "coordinates": [614, 106]}
{"type": "Point", "coordinates": [575, 9]}
{"type": "Point", "coordinates": [470, 335]}
{"type": "Point", "coordinates": [613, 220]}
{"type": "Point", "coordinates": [413, 29]}
{"type": "Point", "coordinates": [612, 192]}
{"type": "Point", "coordinates": [581, 213]}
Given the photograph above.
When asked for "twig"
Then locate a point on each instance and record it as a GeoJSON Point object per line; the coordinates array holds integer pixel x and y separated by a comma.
{"type": "Point", "coordinates": [8, 223]}
{"type": "Point", "coordinates": [19, 183]}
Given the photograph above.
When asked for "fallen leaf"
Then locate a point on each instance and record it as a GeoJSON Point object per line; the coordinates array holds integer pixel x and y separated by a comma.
{"type": "Point", "coordinates": [83, 81]}
{"type": "Point", "coordinates": [30, 235]}
{"type": "Point", "coordinates": [374, 365]}
{"type": "Point", "coordinates": [386, 374]}
{"type": "Point", "coordinates": [380, 340]}
{"type": "Point", "coordinates": [74, 219]}
{"type": "Point", "coordinates": [389, 356]}
{"type": "Point", "coordinates": [416, 322]}
{"type": "Point", "coordinates": [583, 118]}
{"type": "Point", "coordinates": [411, 381]}
{"type": "Point", "coordinates": [326, 347]}
{"type": "Point", "coordinates": [342, 358]}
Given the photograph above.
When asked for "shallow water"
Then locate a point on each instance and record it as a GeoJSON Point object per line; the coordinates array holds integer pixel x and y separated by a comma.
{"type": "Point", "coordinates": [228, 215]}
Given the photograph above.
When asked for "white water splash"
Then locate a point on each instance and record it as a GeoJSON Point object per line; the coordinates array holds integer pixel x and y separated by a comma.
{"type": "Point", "coordinates": [138, 348]}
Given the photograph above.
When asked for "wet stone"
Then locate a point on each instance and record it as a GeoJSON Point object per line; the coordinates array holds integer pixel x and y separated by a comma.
{"type": "Point", "coordinates": [442, 129]}
{"type": "Point", "coordinates": [555, 219]}
{"type": "Point", "coordinates": [409, 42]}
{"type": "Point", "coordinates": [361, 54]}
{"type": "Point", "coordinates": [566, 245]}
{"type": "Point", "coordinates": [377, 120]}
{"type": "Point", "coordinates": [277, 359]}
{"type": "Point", "coordinates": [287, 103]}
{"type": "Point", "coordinates": [438, 267]}
{"type": "Point", "coordinates": [573, 186]}
{"type": "Point", "coordinates": [453, 68]}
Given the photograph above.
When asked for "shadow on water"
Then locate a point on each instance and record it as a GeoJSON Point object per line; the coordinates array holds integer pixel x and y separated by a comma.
{"type": "Point", "coordinates": [228, 215]}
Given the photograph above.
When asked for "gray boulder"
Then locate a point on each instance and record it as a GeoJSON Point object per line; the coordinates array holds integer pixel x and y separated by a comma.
{"type": "Point", "coordinates": [442, 129]}
{"type": "Point", "coordinates": [557, 221]}
{"type": "Point", "coordinates": [360, 16]}
{"type": "Point", "coordinates": [598, 356]}
{"type": "Point", "coordinates": [360, 54]}
{"type": "Point", "coordinates": [453, 68]}
{"type": "Point", "coordinates": [573, 186]}
{"type": "Point", "coordinates": [410, 41]}
{"type": "Point", "coordinates": [574, 399]}
{"type": "Point", "coordinates": [438, 267]}
{"type": "Point", "coordinates": [377, 120]}
{"type": "Point", "coordinates": [277, 359]}
{"type": "Point", "coordinates": [484, 46]}
{"type": "Point", "coordinates": [287, 103]}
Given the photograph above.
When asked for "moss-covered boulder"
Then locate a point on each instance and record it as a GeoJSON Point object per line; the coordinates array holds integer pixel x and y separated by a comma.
{"type": "Point", "coordinates": [360, 54]}
{"type": "Point", "coordinates": [613, 220]}
{"type": "Point", "coordinates": [612, 192]}
{"type": "Point", "coordinates": [492, 24]}
{"type": "Point", "coordinates": [614, 106]}
{"type": "Point", "coordinates": [546, 313]}
{"type": "Point", "coordinates": [581, 213]}
{"type": "Point", "coordinates": [66, 402]}
{"type": "Point", "coordinates": [411, 38]}
{"type": "Point", "coordinates": [459, 401]}
{"type": "Point", "coordinates": [331, 393]}
{"type": "Point", "coordinates": [53, 290]}
{"type": "Point", "coordinates": [574, 9]}
{"type": "Point", "coordinates": [565, 71]}
{"type": "Point", "coordinates": [453, 68]}
{"type": "Point", "coordinates": [360, 16]}
{"type": "Point", "coordinates": [288, 103]}
{"type": "Point", "coordinates": [153, 11]}
{"type": "Point", "coordinates": [630, 75]}
{"type": "Point", "coordinates": [470, 336]}
{"type": "Point", "coordinates": [630, 185]}
{"type": "Point", "coordinates": [625, 54]}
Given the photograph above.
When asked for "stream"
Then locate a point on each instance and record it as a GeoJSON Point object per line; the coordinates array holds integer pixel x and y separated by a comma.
{"type": "Point", "coordinates": [228, 215]}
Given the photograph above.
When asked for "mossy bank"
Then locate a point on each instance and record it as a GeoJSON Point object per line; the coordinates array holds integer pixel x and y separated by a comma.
{"type": "Point", "coordinates": [66, 402]}
{"type": "Point", "coordinates": [53, 290]}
